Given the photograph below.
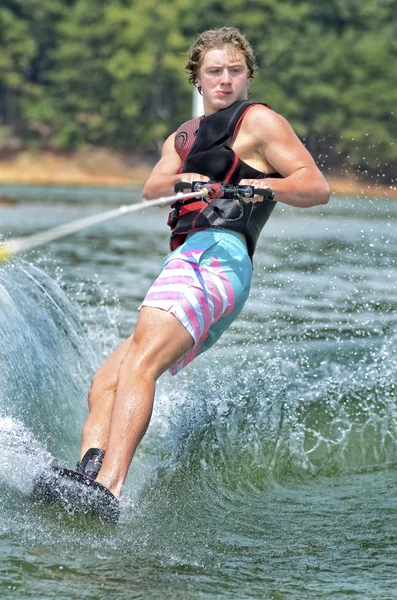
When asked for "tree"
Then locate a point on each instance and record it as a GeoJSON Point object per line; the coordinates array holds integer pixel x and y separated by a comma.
{"type": "Point", "coordinates": [111, 72]}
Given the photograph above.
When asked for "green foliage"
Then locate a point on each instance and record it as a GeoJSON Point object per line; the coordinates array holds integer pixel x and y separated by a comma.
{"type": "Point", "coordinates": [111, 72]}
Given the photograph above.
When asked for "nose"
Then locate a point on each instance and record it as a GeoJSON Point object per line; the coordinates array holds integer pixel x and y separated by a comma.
{"type": "Point", "coordinates": [226, 77]}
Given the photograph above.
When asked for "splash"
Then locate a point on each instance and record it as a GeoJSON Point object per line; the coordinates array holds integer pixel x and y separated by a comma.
{"type": "Point", "coordinates": [22, 456]}
{"type": "Point", "coordinates": [46, 359]}
{"type": "Point", "coordinates": [255, 426]}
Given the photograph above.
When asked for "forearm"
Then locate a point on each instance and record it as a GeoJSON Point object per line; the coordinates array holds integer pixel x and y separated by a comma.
{"type": "Point", "coordinates": [303, 188]}
{"type": "Point", "coordinates": [158, 186]}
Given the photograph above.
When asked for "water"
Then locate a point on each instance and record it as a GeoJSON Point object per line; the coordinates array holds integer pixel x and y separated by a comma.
{"type": "Point", "coordinates": [269, 469]}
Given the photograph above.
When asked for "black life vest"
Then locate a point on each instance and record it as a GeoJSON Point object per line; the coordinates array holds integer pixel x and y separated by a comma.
{"type": "Point", "coordinates": [203, 146]}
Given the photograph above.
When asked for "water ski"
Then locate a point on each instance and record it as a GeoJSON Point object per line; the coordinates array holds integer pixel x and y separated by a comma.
{"type": "Point", "coordinates": [76, 493]}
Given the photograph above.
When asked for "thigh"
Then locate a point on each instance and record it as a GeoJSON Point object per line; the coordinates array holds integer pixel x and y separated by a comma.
{"type": "Point", "coordinates": [159, 340]}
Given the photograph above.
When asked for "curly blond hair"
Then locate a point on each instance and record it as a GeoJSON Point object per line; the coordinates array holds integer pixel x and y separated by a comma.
{"type": "Point", "coordinates": [218, 38]}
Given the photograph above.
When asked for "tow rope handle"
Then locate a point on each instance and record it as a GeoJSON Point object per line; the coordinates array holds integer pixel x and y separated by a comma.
{"type": "Point", "coordinates": [225, 190]}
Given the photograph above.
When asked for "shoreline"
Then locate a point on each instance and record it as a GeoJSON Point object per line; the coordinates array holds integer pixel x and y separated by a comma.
{"type": "Point", "coordinates": [103, 168]}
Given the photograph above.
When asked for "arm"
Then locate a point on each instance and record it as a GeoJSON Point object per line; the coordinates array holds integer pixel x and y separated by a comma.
{"type": "Point", "coordinates": [165, 173]}
{"type": "Point", "coordinates": [303, 184]}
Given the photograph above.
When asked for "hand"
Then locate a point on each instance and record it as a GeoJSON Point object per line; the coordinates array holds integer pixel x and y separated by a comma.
{"type": "Point", "coordinates": [190, 177]}
{"type": "Point", "coordinates": [262, 184]}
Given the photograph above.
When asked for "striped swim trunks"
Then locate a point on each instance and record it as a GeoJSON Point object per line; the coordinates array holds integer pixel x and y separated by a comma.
{"type": "Point", "coordinates": [204, 283]}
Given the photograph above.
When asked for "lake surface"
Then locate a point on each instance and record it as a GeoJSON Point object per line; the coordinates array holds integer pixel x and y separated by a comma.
{"type": "Point", "coordinates": [270, 467]}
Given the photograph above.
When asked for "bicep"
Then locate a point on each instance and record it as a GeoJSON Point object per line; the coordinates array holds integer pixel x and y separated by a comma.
{"type": "Point", "coordinates": [170, 161]}
{"type": "Point", "coordinates": [282, 148]}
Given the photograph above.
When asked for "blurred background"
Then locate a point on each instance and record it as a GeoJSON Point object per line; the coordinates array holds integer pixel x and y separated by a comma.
{"type": "Point", "coordinates": [91, 88]}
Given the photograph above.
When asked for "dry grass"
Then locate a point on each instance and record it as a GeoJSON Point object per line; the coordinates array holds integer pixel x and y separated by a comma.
{"type": "Point", "coordinates": [106, 168]}
{"type": "Point", "coordinates": [352, 186]}
{"type": "Point", "coordinates": [97, 167]}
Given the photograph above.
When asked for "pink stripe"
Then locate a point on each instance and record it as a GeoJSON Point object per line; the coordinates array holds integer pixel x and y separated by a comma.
{"type": "Point", "coordinates": [217, 299]}
{"type": "Point", "coordinates": [203, 307]}
{"type": "Point", "coordinates": [171, 279]}
{"type": "Point", "coordinates": [192, 317]}
{"type": "Point", "coordinates": [151, 295]}
{"type": "Point", "coordinates": [175, 263]}
{"type": "Point", "coordinates": [200, 297]}
{"type": "Point", "coordinates": [228, 286]}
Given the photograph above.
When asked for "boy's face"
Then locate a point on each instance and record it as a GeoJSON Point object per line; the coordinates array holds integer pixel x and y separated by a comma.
{"type": "Point", "coordinates": [223, 78]}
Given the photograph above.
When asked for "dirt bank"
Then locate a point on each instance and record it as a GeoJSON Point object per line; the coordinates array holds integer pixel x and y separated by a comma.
{"type": "Point", "coordinates": [99, 167]}
{"type": "Point", "coordinates": [106, 168]}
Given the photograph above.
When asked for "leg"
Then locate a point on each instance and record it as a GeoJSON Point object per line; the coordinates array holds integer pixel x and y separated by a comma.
{"type": "Point", "coordinates": [100, 401]}
{"type": "Point", "coordinates": [159, 340]}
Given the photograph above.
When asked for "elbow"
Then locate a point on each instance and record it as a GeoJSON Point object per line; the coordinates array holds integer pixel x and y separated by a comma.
{"type": "Point", "coordinates": [325, 193]}
{"type": "Point", "coordinates": [146, 192]}
{"type": "Point", "coordinates": [318, 195]}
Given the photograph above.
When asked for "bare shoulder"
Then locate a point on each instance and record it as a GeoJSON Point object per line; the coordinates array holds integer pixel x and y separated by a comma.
{"type": "Point", "coordinates": [169, 144]}
{"type": "Point", "coordinates": [261, 119]}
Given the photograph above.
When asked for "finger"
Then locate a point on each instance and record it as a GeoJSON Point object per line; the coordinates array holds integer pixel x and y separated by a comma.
{"type": "Point", "coordinates": [190, 177]}
{"type": "Point", "coordinates": [253, 182]}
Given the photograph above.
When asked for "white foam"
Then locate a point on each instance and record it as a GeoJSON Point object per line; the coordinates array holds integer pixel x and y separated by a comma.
{"type": "Point", "coordinates": [22, 457]}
